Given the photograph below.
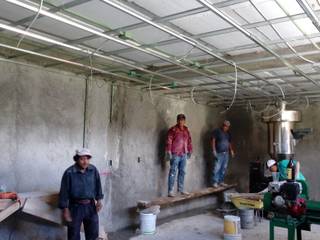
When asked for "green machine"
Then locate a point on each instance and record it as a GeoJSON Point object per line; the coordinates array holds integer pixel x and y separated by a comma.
{"type": "Point", "coordinates": [287, 202]}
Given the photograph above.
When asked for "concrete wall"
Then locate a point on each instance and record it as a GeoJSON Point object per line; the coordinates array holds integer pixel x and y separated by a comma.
{"type": "Point", "coordinates": [42, 123]}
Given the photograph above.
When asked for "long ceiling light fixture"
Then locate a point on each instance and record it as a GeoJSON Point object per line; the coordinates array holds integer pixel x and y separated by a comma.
{"type": "Point", "coordinates": [70, 62]}
{"type": "Point", "coordinates": [85, 51]}
{"type": "Point", "coordinates": [100, 32]}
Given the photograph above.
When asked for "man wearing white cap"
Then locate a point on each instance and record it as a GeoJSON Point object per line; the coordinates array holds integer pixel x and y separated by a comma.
{"type": "Point", "coordinates": [80, 197]}
{"type": "Point", "coordinates": [221, 147]}
{"type": "Point", "coordinates": [281, 168]}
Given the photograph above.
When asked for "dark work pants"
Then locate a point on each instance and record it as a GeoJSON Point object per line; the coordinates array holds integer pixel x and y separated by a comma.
{"type": "Point", "coordinates": [86, 214]}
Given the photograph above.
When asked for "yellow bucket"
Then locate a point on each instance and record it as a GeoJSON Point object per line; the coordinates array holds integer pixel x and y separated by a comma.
{"type": "Point", "coordinates": [231, 224]}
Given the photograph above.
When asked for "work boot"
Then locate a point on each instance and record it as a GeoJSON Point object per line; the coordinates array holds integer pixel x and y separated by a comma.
{"type": "Point", "coordinates": [222, 184]}
{"type": "Point", "coordinates": [184, 193]}
{"type": "Point", "coordinates": [215, 185]}
{"type": "Point", "coordinates": [171, 194]}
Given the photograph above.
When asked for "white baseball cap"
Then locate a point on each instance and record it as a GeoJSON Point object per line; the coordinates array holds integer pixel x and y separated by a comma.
{"type": "Point", "coordinates": [83, 152]}
{"type": "Point", "coordinates": [270, 163]}
{"type": "Point", "coordinates": [226, 123]}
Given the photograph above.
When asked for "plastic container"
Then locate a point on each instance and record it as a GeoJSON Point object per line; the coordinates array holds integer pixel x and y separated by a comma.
{"type": "Point", "coordinates": [148, 223]}
{"type": "Point", "coordinates": [247, 218]}
{"type": "Point", "coordinates": [232, 236]}
{"type": "Point", "coordinates": [231, 225]}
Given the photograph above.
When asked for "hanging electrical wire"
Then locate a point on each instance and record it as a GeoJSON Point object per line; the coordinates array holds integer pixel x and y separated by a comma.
{"type": "Point", "coordinates": [185, 55]}
{"type": "Point", "coordinates": [261, 111]}
{"type": "Point", "coordinates": [307, 101]}
{"type": "Point", "coordinates": [235, 88]}
{"type": "Point", "coordinates": [150, 90]}
{"type": "Point", "coordinates": [91, 63]}
{"type": "Point", "coordinates": [299, 55]}
{"type": "Point", "coordinates": [192, 95]}
{"type": "Point", "coordinates": [32, 22]}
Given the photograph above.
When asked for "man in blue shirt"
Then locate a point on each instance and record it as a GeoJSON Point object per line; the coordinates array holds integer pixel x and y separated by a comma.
{"type": "Point", "coordinates": [80, 197]}
{"type": "Point", "coordinates": [221, 146]}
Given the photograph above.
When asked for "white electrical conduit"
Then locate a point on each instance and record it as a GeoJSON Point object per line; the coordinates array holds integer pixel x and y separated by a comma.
{"type": "Point", "coordinates": [235, 89]}
{"type": "Point", "coordinates": [232, 22]}
{"type": "Point", "coordinates": [192, 96]}
{"type": "Point", "coordinates": [187, 39]}
{"type": "Point", "coordinates": [32, 22]}
{"type": "Point", "coordinates": [298, 55]}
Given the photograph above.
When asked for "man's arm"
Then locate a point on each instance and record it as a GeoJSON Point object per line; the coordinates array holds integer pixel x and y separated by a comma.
{"type": "Point", "coordinates": [231, 149]}
{"type": "Point", "coordinates": [169, 143]}
{"type": "Point", "coordinates": [189, 146]}
{"type": "Point", "coordinates": [64, 197]}
{"type": "Point", "coordinates": [213, 143]}
{"type": "Point", "coordinates": [99, 194]}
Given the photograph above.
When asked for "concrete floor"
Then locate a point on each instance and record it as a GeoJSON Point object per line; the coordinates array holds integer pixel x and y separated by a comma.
{"type": "Point", "coordinates": [208, 226]}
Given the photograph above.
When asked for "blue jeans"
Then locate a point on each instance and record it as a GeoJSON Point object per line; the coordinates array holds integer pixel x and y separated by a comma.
{"type": "Point", "coordinates": [86, 214]}
{"type": "Point", "coordinates": [220, 167]}
{"type": "Point", "coordinates": [177, 162]}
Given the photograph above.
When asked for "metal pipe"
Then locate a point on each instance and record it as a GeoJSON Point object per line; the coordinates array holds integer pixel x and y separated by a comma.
{"type": "Point", "coordinates": [254, 39]}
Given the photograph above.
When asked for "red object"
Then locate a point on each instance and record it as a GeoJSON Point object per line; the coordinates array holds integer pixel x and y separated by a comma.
{"type": "Point", "coordinates": [8, 195]}
{"type": "Point", "coordinates": [298, 208]}
{"type": "Point", "coordinates": [179, 141]}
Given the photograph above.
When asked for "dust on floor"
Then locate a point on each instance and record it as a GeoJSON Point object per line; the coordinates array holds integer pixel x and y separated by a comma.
{"type": "Point", "coordinates": [210, 227]}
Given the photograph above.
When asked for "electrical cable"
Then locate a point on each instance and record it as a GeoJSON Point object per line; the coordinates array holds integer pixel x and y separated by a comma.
{"type": "Point", "coordinates": [235, 89]}
{"type": "Point", "coordinates": [91, 62]}
{"type": "Point", "coordinates": [308, 102]}
{"type": "Point", "coordinates": [32, 22]}
{"type": "Point", "coordinates": [192, 96]}
{"type": "Point", "coordinates": [150, 90]}
{"type": "Point", "coordinates": [261, 111]}
{"type": "Point", "coordinates": [298, 55]}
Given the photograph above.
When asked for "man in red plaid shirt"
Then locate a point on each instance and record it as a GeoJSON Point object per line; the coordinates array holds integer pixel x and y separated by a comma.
{"type": "Point", "coordinates": [178, 149]}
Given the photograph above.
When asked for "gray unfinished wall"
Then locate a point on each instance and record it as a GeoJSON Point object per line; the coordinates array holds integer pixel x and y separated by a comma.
{"type": "Point", "coordinates": [41, 124]}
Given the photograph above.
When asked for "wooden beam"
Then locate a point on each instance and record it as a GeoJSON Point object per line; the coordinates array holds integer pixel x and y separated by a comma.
{"type": "Point", "coordinates": [9, 209]}
{"type": "Point", "coordinates": [167, 201]}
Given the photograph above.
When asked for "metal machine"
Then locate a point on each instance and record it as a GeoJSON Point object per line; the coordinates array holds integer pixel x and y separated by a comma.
{"type": "Point", "coordinates": [288, 201]}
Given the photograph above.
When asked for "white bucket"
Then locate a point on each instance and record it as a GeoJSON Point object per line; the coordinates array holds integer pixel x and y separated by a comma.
{"type": "Point", "coordinates": [232, 236]}
{"type": "Point", "coordinates": [148, 223]}
{"type": "Point", "coordinates": [231, 225]}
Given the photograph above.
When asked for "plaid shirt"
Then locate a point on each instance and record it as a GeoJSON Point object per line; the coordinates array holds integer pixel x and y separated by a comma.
{"type": "Point", "coordinates": [179, 141]}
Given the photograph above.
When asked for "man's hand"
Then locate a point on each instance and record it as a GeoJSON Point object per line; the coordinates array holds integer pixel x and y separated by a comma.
{"type": "Point", "coordinates": [99, 205]}
{"type": "Point", "coordinates": [232, 154]}
{"type": "Point", "coordinates": [214, 152]}
{"type": "Point", "coordinates": [66, 215]}
{"type": "Point", "coordinates": [168, 155]}
{"type": "Point", "coordinates": [188, 155]}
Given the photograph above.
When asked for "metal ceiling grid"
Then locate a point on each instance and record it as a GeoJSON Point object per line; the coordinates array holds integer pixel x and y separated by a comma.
{"type": "Point", "coordinates": [194, 8]}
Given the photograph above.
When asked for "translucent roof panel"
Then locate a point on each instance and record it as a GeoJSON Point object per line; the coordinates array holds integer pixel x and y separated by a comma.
{"type": "Point", "coordinates": [178, 49]}
{"type": "Point", "coordinates": [55, 27]}
{"type": "Point", "coordinates": [306, 26]}
{"type": "Point", "coordinates": [269, 8]}
{"type": "Point", "coordinates": [201, 23]}
{"type": "Point", "coordinates": [138, 56]}
{"type": "Point", "coordinates": [167, 7]}
{"type": "Point", "coordinates": [104, 45]}
{"type": "Point", "coordinates": [103, 14]}
{"type": "Point", "coordinates": [290, 7]}
{"type": "Point", "coordinates": [269, 32]}
{"type": "Point", "coordinates": [13, 13]}
{"type": "Point", "coordinates": [247, 12]}
{"type": "Point", "coordinates": [287, 29]}
{"type": "Point", "coordinates": [149, 35]}
{"type": "Point", "coordinates": [228, 40]}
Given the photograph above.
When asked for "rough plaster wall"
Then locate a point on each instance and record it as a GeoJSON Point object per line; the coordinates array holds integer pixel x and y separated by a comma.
{"type": "Point", "coordinates": [41, 122]}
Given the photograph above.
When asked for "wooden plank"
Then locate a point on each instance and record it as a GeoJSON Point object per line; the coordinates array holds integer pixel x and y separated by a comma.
{"type": "Point", "coordinates": [12, 208]}
{"type": "Point", "coordinates": [43, 206]}
{"type": "Point", "coordinates": [167, 201]}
